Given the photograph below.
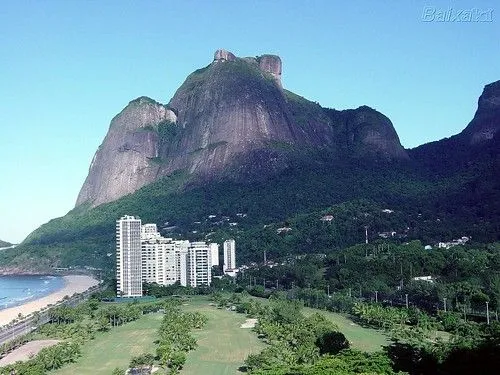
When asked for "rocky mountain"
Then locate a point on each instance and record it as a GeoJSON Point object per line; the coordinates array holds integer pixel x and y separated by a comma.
{"type": "Point", "coordinates": [478, 142]}
{"type": "Point", "coordinates": [232, 142]}
{"type": "Point", "coordinates": [486, 122]}
{"type": "Point", "coordinates": [231, 119]}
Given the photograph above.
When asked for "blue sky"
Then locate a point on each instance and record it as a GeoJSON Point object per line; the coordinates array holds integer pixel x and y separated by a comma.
{"type": "Point", "coordinates": [67, 67]}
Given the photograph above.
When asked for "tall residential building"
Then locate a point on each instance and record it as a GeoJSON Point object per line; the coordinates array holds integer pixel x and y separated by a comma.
{"type": "Point", "coordinates": [128, 257]}
{"type": "Point", "coordinates": [181, 249]}
{"type": "Point", "coordinates": [199, 264]}
{"type": "Point", "coordinates": [164, 260]}
{"type": "Point", "coordinates": [229, 255]}
{"type": "Point", "coordinates": [214, 254]}
{"type": "Point", "coordinates": [154, 252]}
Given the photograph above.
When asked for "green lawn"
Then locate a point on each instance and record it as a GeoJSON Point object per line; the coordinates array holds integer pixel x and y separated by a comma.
{"type": "Point", "coordinates": [365, 339]}
{"type": "Point", "coordinates": [222, 344]}
{"type": "Point", "coordinates": [116, 347]}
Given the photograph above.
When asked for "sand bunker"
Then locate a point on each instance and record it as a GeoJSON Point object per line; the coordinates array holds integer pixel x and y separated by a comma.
{"type": "Point", "coordinates": [249, 323]}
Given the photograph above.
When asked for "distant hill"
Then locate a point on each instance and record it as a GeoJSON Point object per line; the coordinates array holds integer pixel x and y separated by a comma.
{"type": "Point", "coordinates": [5, 244]}
{"type": "Point", "coordinates": [233, 143]}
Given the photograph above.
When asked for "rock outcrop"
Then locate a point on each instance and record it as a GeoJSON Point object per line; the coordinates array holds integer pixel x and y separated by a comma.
{"type": "Point", "coordinates": [225, 120]}
{"type": "Point", "coordinates": [123, 162]}
{"type": "Point", "coordinates": [223, 55]}
{"type": "Point", "coordinates": [272, 65]}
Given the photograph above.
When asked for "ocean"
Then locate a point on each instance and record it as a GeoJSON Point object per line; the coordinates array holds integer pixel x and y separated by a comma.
{"type": "Point", "coordinates": [17, 290]}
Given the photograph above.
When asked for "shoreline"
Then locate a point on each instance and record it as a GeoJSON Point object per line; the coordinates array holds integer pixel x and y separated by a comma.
{"type": "Point", "coordinates": [72, 284]}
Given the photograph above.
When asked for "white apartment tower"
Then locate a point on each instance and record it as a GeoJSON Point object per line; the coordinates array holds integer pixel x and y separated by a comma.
{"type": "Point", "coordinates": [181, 249]}
{"type": "Point", "coordinates": [214, 254]}
{"type": "Point", "coordinates": [163, 260]}
{"type": "Point", "coordinates": [229, 255]}
{"type": "Point", "coordinates": [128, 257]}
{"type": "Point", "coordinates": [199, 265]}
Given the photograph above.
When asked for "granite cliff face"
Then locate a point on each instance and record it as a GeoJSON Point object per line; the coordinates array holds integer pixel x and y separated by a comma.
{"type": "Point", "coordinates": [226, 119]}
{"type": "Point", "coordinates": [122, 164]}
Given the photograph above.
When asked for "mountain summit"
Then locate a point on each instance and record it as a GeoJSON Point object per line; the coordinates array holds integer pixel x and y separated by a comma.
{"type": "Point", "coordinates": [486, 121]}
{"type": "Point", "coordinates": [231, 119]}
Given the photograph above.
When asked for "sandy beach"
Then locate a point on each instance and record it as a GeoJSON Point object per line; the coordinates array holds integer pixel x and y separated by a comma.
{"type": "Point", "coordinates": [72, 284]}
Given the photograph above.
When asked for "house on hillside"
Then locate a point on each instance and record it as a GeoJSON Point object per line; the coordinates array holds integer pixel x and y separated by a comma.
{"type": "Point", "coordinates": [429, 279]}
{"type": "Point", "coordinates": [327, 218]}
{"type": "Point", "coordinates": [283, 230]}
{"type": "Point", "coordinates": [387, 234]}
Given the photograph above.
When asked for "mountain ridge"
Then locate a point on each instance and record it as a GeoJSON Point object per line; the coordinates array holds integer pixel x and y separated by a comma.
{"type": "Point", "coordinates": [153, 163]}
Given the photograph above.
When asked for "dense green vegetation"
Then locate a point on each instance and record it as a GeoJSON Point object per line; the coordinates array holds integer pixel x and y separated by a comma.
{"type": "Point", "coordinates": [466, 276]}
{"type": "Point", "coordinates": [46, 360]}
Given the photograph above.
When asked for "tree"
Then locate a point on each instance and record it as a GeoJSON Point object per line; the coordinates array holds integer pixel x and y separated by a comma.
{"type": "Point", "coordinates": [176, 360]}
{"type": "Point", "coordinates": [332, 342]}
{"type": "Point", "coordinates": [146, 359]}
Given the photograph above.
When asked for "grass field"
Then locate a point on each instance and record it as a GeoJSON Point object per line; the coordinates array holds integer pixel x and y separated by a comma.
{"type": "Point", "coordinates": [116, 347]}
{"type": "Point", "coordinates": [365, 339]}
{"type": "Point", "coordinates": [222, 344]}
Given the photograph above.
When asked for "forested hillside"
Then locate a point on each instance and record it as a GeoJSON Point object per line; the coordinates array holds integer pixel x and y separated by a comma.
{"type": "Point", "coordinates": [424, 208]}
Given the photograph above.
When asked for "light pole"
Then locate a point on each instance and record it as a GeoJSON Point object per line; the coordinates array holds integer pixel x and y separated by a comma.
{"type": "Point", "coordinates": [376, 296]}
{"type": "Point", "coordinates": [328, 290]}
{"type": "Point", "coordinates": [444, 303]}
{"type": "Point", "coordinates": [406, 298]}
{"type": "Point", "coordinates": [487, 313]}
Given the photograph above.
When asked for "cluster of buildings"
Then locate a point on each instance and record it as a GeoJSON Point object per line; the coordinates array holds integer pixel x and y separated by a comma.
{"type": "Point", "coordinates": [144, 256]}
